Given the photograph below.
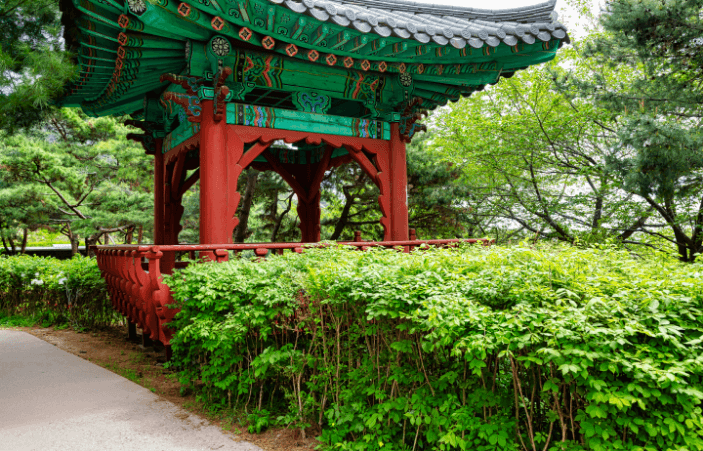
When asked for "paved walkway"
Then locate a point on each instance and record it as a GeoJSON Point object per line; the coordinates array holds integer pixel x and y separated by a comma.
{"type": "Point", "coordinates": [53, 400]}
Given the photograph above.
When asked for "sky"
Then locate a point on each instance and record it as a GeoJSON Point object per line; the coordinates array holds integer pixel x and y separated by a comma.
{"type": "Point", "coordinates": [566, 13]}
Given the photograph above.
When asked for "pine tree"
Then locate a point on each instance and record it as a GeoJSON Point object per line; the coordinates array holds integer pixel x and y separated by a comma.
{"type": "Point", "coordinates": [33, 66]}
{"type": "Point", "coordinates": [88, 178]}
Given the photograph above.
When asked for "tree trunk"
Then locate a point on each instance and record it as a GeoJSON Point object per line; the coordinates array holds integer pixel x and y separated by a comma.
{"type": "Point", "coordinates": [240, 232]}
{"type": "Point", "coordinates": [7, 243]}
{"type": "Point", "coordinates": [597, 214]}
{"type": "Point", "coordinates": [140, 235]}
{"type": "Point", "coordinates": [72, 239]}
{"type": "Point", "coordinates": [91, 241]}
{"type": "Point", "coordinates": [128, 235]}
{"type": "Point", "coordinates": [279, 219]}
{"type": "Point", "coordinates": [685, 252]}
{"type": "Point", "coordinates": [344, 217]}
{"type": "Point", "coordinates": [24, 240]}
{"type": "Point", "coordinates": [4, 243]}
{"type": "Point", "coordinates": [697, 235]}
{"type": "Point", "coordinates": [13, 248]}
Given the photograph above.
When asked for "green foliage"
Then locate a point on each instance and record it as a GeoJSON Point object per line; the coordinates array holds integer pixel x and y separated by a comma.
{"type": "Point", "coordinates": [274, 212]}
{"type": "Point", "coordinates": [77, 173]}
{"type": "Point", "coordinates": [33, 66]}
{"type": "Point", "coordinates": [473, 348]}
{"type": "Point", "coordinates": [657, 107]}
{"type": "Point", "coordinates": [16, 320]}
{"type": "Point", "coordinates": [45, 237]}
{"type": "Point", "coordinates": [535, 159]}
{"type": "Point", "coordinates": [350, 201]}
{"type": "Point", "coordinates": [440, 201]}
{"type": "Point", "coordinates": [49, 291]}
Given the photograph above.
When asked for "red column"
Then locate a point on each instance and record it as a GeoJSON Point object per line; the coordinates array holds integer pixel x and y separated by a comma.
{"type": "Point", "coordinates": [305, 179]}
{"type": "Point", "coordinates": [399, 186]}
{"type": "Point", "coordinates": [309, 214]}
{"type": "Point", "coordinates": [159, 194]}
{"type": "Point", "coordinates": [218, 194]}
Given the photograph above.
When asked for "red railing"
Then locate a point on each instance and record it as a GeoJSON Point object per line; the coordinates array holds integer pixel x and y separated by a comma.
{"type": "Point", "coordinates": [134, 273]}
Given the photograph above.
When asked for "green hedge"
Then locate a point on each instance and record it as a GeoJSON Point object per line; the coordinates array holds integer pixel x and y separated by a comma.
{"type": "Point", "coordinates": [476, 348]}
{"type": "Point", "coordinates": [51, 291]}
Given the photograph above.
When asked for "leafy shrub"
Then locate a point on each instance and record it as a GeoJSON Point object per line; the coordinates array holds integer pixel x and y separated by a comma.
{"type": "Point", "coordinates": [51, 291]}
{"type": "Point", "coordinates": [473, 348]}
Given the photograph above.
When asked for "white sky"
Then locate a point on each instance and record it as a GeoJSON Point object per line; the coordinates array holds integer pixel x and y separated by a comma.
{"type": "Point", "coordinates": [567, 15]}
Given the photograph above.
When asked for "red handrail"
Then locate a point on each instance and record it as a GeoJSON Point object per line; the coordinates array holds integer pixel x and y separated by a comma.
{"type": "Point", "coordinates": [276, 246]}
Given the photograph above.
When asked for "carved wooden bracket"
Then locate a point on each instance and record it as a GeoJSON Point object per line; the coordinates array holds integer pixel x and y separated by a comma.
{"type": "Point", "coordinates": [221, 92]}
{"type": "Point", "coordinates": [147, 139]}
{"type": "Point", "coordinates": [409, 118]}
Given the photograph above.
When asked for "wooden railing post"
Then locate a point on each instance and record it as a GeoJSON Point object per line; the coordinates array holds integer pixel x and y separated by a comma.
{"type": "Point", "coordinates": [261, 253]}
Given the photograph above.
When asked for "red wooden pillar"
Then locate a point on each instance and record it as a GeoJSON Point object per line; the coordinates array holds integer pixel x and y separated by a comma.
{"type": "Point", "coordinates": [221, 151]}
{"type": "Point", "coordinates": [309, 214]}
{"type": "Point", "coordinates": [305, 179]}
{"type": "Point", "coordinates": [399, 186]}
{"type": "Point", "coordinates": [159, 194]}
{"type": "Point", "coordinates": [308, 191]}
{"type": "Point", "coordinates": [213, 179]}
{"type": "Point", "coordinates": [162, 209]}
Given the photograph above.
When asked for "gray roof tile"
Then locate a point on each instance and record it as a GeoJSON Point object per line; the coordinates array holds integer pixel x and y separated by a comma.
{"type": "Point", "coordinates": [457, 26]}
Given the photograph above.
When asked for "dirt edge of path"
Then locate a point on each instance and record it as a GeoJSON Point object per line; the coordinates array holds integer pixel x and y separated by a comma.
{"type": "Point", "coordinates": [110, 349]}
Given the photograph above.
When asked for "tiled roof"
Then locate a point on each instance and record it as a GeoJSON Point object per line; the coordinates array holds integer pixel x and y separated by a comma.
{"type": "Point", "coordinates": [443, 25]}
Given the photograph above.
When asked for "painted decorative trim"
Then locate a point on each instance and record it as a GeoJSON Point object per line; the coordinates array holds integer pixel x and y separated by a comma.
{"type": "Point", "coordinates": [220, 46]}
{"type": "Point", "coordinates": [245, 34]}
{"type": "Point", "coordinates": [190, 84]}
{"type": "Point", "coordinates": [190, 104]}
{"type": "Point", "coordinates": [123, 21]}
{"type": "Point", "coordinates": [291, 50]}
{"type": "Point", "coordinates": [268, 43]}
{"type": "Point", "coordinates": [218, 23]}
{"type": "Point", "coordinates": [136, 7]}
{"type": "Point", "coordinates": [275, 118]}
{"type": "Point", "coordinates": [184, 9]}
{"type": "Point", "coordinates": [312, 102]}
{"type": "Point", "coordinates": [185, 132]}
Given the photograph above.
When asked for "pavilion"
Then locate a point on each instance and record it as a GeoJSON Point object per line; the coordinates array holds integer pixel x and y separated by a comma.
{"type": "Point", "coordinates": [213, 84]}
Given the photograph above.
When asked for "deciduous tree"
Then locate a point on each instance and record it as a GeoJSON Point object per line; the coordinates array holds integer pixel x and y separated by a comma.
{"type": "Point", "coordinates": [659, 107]}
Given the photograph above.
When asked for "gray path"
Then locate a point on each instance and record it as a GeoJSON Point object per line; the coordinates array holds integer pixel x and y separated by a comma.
{"type": "Point", "coordinates": [53, 400]}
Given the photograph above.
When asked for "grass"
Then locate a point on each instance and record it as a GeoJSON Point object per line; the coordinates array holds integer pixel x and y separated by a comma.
{"type": "Point", "coordinates": [137, 357]}
{"type": "Point", "coordinates": [45, 320]}
{"type": "Point", "coordinates": [127, 373]}
{"type": "Point", "coordinates": [130, 374]}
{"type": "Point", "coordinates": [16, 321]}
